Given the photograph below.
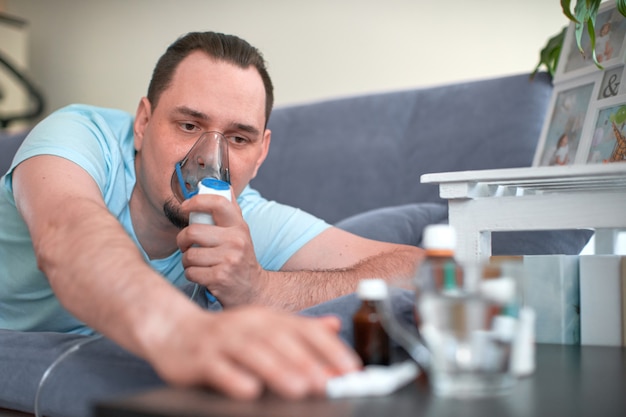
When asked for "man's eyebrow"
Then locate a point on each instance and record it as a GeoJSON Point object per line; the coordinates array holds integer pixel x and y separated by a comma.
{"type": "Point", "coordinates": [246, 128]}
{"type": "Point", "coordinates": [192, 113]}
{"type": "Point", "coordinates": [203, 116]}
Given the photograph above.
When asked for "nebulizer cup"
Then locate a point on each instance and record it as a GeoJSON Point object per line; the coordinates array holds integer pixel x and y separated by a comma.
{"type": "Point", "coordinates": [206, 164]}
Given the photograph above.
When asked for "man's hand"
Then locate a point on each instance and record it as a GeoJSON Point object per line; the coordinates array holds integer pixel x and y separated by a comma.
{"type": "Point", "coordinates": [244, 350]}
{"type": "Point", "coordinates": [221, 257]}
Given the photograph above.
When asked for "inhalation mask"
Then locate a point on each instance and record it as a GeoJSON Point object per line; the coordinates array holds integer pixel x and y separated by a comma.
{"type": "Point", "coordinates": [207, 158]}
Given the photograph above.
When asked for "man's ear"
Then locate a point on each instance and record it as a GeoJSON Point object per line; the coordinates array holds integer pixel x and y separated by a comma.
{"type": "Point", "coordinates": [267, 138]}
{"type": "Point", "coordinates": [142, 117]}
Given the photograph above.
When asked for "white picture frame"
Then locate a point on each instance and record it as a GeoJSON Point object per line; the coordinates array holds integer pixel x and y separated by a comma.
{"type": "Point", "coordinates": [567, 116]}
{"type": "Point", "coordinates": [610, 29]}
{"type": "Point", "coordinates": [611, 84]}
{"type": "Point", "coordinates": [606, 132]}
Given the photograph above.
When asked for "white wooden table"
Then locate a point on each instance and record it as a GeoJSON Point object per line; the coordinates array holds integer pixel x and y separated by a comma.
{"type": "Point", "coordinates": [533, 198]}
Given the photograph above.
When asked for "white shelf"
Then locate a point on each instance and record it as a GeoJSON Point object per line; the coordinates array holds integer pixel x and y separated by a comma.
{"type": "Point", "coordinates": [533, 198]}
{"type": "Point", "coordinates": [530, 180]}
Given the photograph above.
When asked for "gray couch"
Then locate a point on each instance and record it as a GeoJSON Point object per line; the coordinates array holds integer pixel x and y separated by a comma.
{"type": "Point", "coordinates": [353, 161]}
{"type": "Point", "coordinates": [356, 161]}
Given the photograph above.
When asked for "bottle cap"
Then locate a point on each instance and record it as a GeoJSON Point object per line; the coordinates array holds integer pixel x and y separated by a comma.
{"type": "Point", "coordinates": [439, 236]}
{"type": "Point", "coordinates": [372, 289]}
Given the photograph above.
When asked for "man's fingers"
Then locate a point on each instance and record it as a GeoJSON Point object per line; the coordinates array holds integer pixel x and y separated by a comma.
{"type": "Point", "coordinates": [233, 380]}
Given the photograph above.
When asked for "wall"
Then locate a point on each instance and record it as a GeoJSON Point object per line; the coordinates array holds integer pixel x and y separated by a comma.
{"type": "Point", "coordinates": [13, 49]}
{"type": "Point", "coordinates": [102, 52]}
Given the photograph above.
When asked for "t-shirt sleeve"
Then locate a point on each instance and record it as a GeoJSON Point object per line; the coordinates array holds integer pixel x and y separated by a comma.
{"type": "Point", "coordinates": [69, 136]}
{"type": "Point", "coordinates": [86, 136]}
{"type": "Point", "coordinates": [278, 231]}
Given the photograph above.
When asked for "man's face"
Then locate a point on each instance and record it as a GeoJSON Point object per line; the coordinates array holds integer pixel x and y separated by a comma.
{"type": "Point", "coordinates": [204, 95]}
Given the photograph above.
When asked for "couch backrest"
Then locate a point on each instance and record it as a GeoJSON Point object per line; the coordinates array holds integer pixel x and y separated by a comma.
{"type": "Point", "coordinates": [9, 142]}
{"type": "Point", "coordinates": [340, 157]}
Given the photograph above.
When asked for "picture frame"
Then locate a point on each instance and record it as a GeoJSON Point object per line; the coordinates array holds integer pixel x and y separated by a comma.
{"type": "Point", "coordinates": [566, 121]}
{"type": "Point", "coordinates": [606, 132]}
{"type": "Point", "coordinates": [611, 83]}
{"type": "Point", "coordinates": [610, 28]}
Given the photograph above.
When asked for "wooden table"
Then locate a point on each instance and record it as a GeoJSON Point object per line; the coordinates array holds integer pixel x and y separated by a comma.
{"type": "Point", "coordinates": [570, 381]}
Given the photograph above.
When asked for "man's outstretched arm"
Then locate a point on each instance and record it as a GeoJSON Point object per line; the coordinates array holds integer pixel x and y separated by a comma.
{"type": "Point", "coordinates": [100, 277]}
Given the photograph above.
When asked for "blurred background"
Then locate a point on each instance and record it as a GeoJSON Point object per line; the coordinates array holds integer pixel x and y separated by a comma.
{"type": "Point", "coordinates": [103, 52]}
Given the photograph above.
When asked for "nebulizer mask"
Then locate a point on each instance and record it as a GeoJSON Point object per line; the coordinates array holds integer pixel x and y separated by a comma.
{"type": "Point", "coordinates": [204, 168]}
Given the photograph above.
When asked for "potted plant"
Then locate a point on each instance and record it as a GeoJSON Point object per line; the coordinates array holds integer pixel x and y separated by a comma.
{"type": "Point", "coordinates": [584, 15]}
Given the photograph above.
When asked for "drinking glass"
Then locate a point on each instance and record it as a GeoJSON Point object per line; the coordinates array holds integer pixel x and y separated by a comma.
{"type": "Point", "coordinates": [465, 317]}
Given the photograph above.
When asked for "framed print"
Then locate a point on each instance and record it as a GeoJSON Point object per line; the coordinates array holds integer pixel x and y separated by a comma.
{"type": "Point", "coordinates": [565, 121]}
{"type": "Point", "coordinates": [611, 84]}
{"type": "Point", "coordinates": [610, 30]}
{"type": "Point", "coordinates": [607, 133]}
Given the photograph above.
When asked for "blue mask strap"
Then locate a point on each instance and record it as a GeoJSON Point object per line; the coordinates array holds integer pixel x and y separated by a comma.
{"type": "Point", "coordinates": [181, 182]}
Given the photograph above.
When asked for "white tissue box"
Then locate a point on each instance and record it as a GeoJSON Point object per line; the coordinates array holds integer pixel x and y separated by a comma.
{"type": "Point", "coordinates": [602, 300]}
{"type": "Point", "coordinates": [551, 288]}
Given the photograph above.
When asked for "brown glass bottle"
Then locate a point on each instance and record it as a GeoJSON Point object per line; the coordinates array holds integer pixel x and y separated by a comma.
{"type": "Point", "coordinates": [371, 341]}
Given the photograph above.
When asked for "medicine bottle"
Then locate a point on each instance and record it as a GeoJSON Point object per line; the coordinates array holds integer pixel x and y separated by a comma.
{"type": "Point", "coordinates": [371, 341]}
{"type": "Point", "coordinates": [440, 268]}
{"type": "Point", "coordinates": [439, 272]}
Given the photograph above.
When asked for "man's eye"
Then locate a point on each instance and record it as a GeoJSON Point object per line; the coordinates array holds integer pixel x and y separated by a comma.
{"type": "Point", "coordinates": [189, 127]}
{"type": "Point", "coordinates": [237, 139]}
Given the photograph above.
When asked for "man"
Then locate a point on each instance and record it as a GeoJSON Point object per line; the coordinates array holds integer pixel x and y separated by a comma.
{"type": "Point", "coordinates": [90, 227]}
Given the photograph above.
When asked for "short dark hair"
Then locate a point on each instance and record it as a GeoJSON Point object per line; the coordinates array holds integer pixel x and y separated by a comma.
{"type": "Point", "coordinates": [228, 48]}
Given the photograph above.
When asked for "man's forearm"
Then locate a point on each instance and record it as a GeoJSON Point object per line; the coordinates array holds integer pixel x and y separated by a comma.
{"type": "Point", "coordinates": [296, 290]}
{"type": "Point", "coordinates": [114, 291]}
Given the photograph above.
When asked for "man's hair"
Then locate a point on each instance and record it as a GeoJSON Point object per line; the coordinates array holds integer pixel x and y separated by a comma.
{"type": "Point", "coordinates": [227, 48]}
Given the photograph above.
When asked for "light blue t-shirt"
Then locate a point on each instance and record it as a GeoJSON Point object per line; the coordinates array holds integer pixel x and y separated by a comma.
{"type": "Point", "coordinates": [101, 141]}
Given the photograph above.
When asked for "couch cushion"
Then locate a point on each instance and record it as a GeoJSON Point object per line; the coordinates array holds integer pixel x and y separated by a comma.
{"type": "Point", "coordinates": [92, 369]}
{"type": "Point", "coordinates": [399, 224]}
{"type": "Point", "coordinates": [404, 224]}
{"type": "Point", "coordinates": [540, 242]}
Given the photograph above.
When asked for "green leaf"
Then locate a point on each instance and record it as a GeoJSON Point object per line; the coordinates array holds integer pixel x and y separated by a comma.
{"type": "Point", "coordinates": [584, 16]}
{"type": "Point", "coordinates": [620, 115]}
{"type": "Point", "coordinates": [621, 6]}
{"type": "Point", "coordinates": [586, 12]}
{"type": "Point", "coordinates": [549, 55]}
{"type": "Point", "coordinates": [592, 39]}
{"type": "Point", "coordinates": [581, 18]}
{"type": "Point", "coordinates": [566, 6]}
{"type": "Point", "coordinates": [593, 6]}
